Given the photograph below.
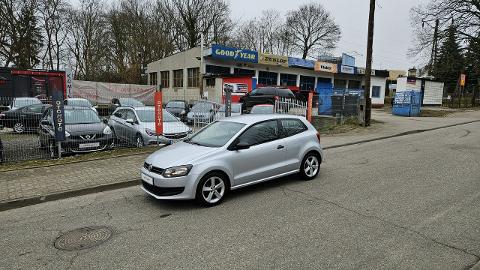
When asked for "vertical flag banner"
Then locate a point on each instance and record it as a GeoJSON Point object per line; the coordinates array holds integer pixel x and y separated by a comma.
{"type": "Point", "coordinates": [309, 107]}
{"type": "Point", "coordinates": [158, 112]}
{"type": "Point", "coordinates": [58, 115]}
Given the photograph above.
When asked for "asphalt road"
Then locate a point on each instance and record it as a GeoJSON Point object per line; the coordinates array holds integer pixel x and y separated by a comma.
{"type": "Point", "coordinates": [411, 202]}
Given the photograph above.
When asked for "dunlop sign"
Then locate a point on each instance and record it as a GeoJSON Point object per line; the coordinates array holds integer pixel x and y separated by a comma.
{"type": "Point", "coordinates": [325, 67]}
{"type": "Point", "coordinates": [229, 53]}
{"type": "Point", "coordinates": [274, 60]}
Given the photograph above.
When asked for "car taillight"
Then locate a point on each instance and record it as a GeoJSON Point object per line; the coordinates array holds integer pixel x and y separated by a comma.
{"type": "Point", "coordinates": [318, 136]}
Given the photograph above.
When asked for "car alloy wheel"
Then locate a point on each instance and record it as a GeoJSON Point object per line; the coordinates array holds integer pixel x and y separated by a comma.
{"type": "Point", "coordinates": [19, 128]}
{"type": "Point", "coordinates": [211, 189]}
{"type": "Point", "coordinates": [310, 166]}
{"type": "Point", "coordinates": [139, 141]}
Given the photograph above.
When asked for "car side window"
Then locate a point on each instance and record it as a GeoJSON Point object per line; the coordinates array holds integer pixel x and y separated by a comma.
{"type": "Point", "coordinates": [260, 133]}
{"type": "Point", "coordinates": [35, 108]}
{"type": "Point", "coordinates": [119, 114]}
{"type": "Point", "coordinates": [130, 115]}
{"type": "Point", "coordinates": [291, 127]}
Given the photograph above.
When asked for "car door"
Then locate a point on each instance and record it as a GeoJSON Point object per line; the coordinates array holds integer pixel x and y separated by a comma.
{"type": "Point", "coordinates": [130, 128]}
{"type": "Point", "coordinates": [31, 115]}
{"type": "Point", "coordinates": [292, 131]}
{"type": "Point", "coordinates": [263, 158]}
{"type": "Point", "coordinates": [117, 122]}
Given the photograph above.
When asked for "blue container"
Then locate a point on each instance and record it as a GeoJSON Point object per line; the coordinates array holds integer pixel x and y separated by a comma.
{"type": "Point", "coordinates": [407, 103]}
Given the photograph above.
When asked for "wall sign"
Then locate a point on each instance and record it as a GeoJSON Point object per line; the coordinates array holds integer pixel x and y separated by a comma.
{"type": "Point", "coordinates": [58, 115]}
{"type": "Point", "coordinates": [302, 63]}
{"type": "Point", "coordinates": [271, 59]}
{"type": "Point", "coordinates": [69, 82]}
{"type": "Point", "coordinates": [229, 53]}
{"type": "Point", "coordinates": [325, 67]}
{"type": "Point", "coordinates": [363, 70]}
{"type": "Point", "coordinates": [347, 69]}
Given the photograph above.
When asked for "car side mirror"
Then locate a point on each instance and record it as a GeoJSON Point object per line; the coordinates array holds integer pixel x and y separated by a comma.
{"type": "Point", "coordinates": [241, 146]}
{"type": "Point", "coordinates": [105, 120]}
{"type": "Point", "coordinates": [130, 121]}
{"type": "Point", "coordinates": [45, 122]}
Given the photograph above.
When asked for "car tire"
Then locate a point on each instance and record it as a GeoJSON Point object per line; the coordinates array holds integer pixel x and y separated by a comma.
{"type": "Point", "coordinates": [310, 166]}
{"type": "Point", "coordinates": [212, 189]}
{"type": "Point", "coordinates": [19, 127]}
{"type": "Point", "coordinates": [139, 141]}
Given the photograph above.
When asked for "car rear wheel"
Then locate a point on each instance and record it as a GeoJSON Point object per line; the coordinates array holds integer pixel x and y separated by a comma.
{"type": "Point", "coordinates": [211, 189]}
{"type": "Point", "coordinates": [19, 127]}
{"type": "Point", "coordinates": [139, 141]}
{"type": "Point", "coordinates": [310, 166]}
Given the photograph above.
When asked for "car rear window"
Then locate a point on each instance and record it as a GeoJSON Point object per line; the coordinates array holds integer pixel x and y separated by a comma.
{"type": "Point", "coordinates": [176, 104]}
{"type": "Point", "coordinates": [267, 91]}
{"type": "Point", "coordinates": [285, 93]}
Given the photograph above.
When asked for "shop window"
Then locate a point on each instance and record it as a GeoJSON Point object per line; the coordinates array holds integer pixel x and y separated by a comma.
{"type": "Point", "coordinates": [244, 72]}
{"type": "Point", "coordinates": [153, 78]}
{"type": "Point", "coordinates": [267, 78]}
{"type": "Point", "coordinates": [288, 79]}
{"type": "Point", "coordinates": [193, 77]}
{"type": "Point", "coordinates": [376, 91]}
{"type": "Point", "coordinates": [165, 79]}
{"type": "Point", "coordinates": [178, 78]}
{"type": "Point", "coordinates": [210, 82]}
{"type": "Point", "coordinates": [217, 70]}
{"type": "Point", "coordinates": [340, 84]}
{"type": "Point", "coordinates": [354, 84]}
{"type": "Point", "coordinates": [307, 83]}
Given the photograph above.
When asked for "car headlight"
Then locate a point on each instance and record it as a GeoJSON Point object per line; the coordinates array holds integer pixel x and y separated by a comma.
{"type": "Point", "coordinates": [67, 134]}
{"type": "Point", "coordinates": [183, 112]}
{"type": "Point", "coordinates": [150, 132]}
{"type": "Point", "coordinates": [107, 131]}
{"type": "Point", "coordinates": [177, 171]}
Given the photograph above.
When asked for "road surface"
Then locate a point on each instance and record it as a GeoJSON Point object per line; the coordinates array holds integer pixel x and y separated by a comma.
{"type": "Point", "coordinates": [411, 202]}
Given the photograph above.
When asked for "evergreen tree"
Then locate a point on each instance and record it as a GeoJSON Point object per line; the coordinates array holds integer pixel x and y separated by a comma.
{"type": "Point", "coordinates": [29, 38]}
{"type": "Point", "coordinates": [450, 62]}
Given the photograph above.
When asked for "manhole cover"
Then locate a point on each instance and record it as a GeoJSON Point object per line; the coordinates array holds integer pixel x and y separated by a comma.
{"type": "Point", "coordinates": [83, 238]}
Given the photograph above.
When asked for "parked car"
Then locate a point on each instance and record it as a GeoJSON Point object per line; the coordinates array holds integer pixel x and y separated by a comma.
{"type": "Point", "coordinates": [179, 108]}
{"type": "Point", "coordinates": [23, 119]}
{"type": "Point", "coordinates": [79, 102]}
{"type": "Point", "coordinates": [106, 110]}
{"type": "Point", "coordinates": [2, 158]}
{"type": "Point", "coordinates": [19, 102]}
{"type": "Point", "coordinates": [236, 110]}
{"type": "Point", "coordinates": [137, 126]}
{"type": "Point", "coordinates": [233, 153]}
{"type": "Point", "coordinates": [203, 112]}
{"type": "Point", "coordinates": [264, 95]}
{"type": "Point", "coordinates": [262, 109]}
{"type": "Point", "coordinates": [84, 131]}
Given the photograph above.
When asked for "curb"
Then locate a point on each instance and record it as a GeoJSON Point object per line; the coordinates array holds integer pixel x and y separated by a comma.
{"type": "Point", "coordinates": [74, 193]}
{"type": "Point", "coordinates": [398, 135]}
{"type": "Point", "coordinates": [64, 195]}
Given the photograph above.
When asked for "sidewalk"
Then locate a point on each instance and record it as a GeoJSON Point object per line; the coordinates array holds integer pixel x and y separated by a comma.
{"type": "Point", "coordinates": [30, 186]}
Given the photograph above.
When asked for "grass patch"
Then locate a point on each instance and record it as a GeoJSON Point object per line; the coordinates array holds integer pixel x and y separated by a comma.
{"type": "Point", "coordinates": [329, 126]}
{"type": "Point", "coordinates": [434, 113]}
{"type": "Point", "coordinates": [121, 152]}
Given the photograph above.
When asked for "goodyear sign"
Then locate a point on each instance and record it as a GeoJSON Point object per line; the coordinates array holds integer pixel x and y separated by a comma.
{"type": "Point", "coordinates": [325, 67]}
{"type": "Point", "coordinates": [229, 53]}
{"type": "Point", "coordinates": [274, 60]}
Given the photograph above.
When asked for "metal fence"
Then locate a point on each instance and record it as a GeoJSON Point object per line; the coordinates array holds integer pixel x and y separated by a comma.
{"type": "Point", "coordinates": [27, 127]}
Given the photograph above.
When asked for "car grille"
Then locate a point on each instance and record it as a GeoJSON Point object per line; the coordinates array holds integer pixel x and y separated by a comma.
{"type": "Point", "coordinates": [87, 137]}
{"type": "Point", "coordinates": [175, 136]}
{"type": "Point", "coordinates": [159, 191]}
{"type": "Point", "coordinates": [153, 169]}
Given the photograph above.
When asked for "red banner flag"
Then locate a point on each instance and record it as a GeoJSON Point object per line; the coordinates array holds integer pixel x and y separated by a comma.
{"type": "Point", "coordinates": [309, 107]}
{"type": "Point", "coordinates": [158, 113]}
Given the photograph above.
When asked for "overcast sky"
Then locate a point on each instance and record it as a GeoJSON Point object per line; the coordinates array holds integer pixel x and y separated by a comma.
{"type": "Point", "coordinates": [393, 32]}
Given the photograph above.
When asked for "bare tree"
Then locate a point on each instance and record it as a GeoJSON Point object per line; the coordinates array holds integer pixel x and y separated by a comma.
{"type": "Point", "coordinates": [311, 28]}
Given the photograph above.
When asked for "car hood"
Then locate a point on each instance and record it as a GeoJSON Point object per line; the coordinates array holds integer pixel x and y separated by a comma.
{"type": "Point", "coordinates": [177, 154]}
{"type": "Point", "coordinates": [168, 127]}
{"type": "Point", "coordinates": [80, 129]}
{"type": "Point", "coordinates": [198, 114]}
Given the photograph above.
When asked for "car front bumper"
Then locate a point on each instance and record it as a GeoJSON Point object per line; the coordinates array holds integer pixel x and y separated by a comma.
{"type": "Point", "coordinates": [178, 188]}
{"type": "Point", "coordinates": [74, 145]}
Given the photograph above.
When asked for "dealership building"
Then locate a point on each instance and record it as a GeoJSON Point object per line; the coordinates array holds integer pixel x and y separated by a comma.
{"type": "Point", "coordinates": [194, 74]}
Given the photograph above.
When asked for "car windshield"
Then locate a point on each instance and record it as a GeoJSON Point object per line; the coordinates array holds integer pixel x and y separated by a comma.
{"type": "Point", "coordinates": [22, 102]}
{"type": "Point", "coordinates": [131, 102]}
{"type": "Point", "coordinates": [202, 107]}
{"type": "Point", "coordinates": [79, 102]}
{"type": "Point", "coordinates": [216, 134]}
{"type": "Point", "coordinates": [236, 108]}
{"type": "Point", "coordinates": [86, 116]}
{"type": "Point", "coordinates": [176, 104]}
{"type": "Point", "coordinates": [262, 110]}
{"type": "Point", "coordinates": [149, 116]}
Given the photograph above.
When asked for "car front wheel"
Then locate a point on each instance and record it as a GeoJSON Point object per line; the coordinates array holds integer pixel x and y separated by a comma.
{"type": "Point", "coordinates": [211, 189]}
{"type": "Point", "coordinates": [310, 166]}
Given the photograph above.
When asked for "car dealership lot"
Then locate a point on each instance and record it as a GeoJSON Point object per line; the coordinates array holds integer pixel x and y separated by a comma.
{"type": "Point", "coordinates": [366, 210]}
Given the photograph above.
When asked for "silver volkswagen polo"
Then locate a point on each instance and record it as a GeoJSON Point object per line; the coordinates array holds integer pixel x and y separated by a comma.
{"type": "Point", "coordinates": [233, 153]}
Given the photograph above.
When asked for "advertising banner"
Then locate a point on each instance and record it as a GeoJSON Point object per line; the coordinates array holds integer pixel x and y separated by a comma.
{"type": "Point", "coordinates": [58, 115]}
{"type": "Point", "coordinates": [158, 100]}
{"type": "Point", "coordinates": [240, 86]}
{"type": "Point", "coordinates": [99, 92]}
{"type": "Point", "coordinates": [69, 82]}
{"type": "Point", "coordinates": [309, 106]}
{"type": "Point", "coordinates": [325, 67]}
{"type": "Point", "coordinates": [271, 59]}
{"type": "Point", "coordinates": [463, 78]}
{"type": "Point", "coordinates": [229, 53]}
{"type": "Point", "coordinates": [361, 71]}
{"type": "Point", "coordinates": [301, 63]}
{"type": "Point", "coordinates": [347, 69]}
{"type": "Point", "coordinates": [348, 60]}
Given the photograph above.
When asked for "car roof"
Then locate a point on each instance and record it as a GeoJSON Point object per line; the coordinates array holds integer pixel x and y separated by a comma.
{"type": "Point", "coordinates": [68, 107]}
{"type": "Point", "coordinates": [263, 105]}
{"type": "Point", "coordinates": [76, 99]}
{"type": "Point", "coordinates": [255, 118]}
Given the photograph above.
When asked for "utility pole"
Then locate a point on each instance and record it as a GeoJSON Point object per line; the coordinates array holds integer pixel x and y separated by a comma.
{"type": "Point", "coordinates": [368, 70]}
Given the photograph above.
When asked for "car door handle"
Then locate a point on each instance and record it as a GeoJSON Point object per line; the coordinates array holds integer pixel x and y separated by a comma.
{"type": "Point", "coordinates": [280, 147]}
